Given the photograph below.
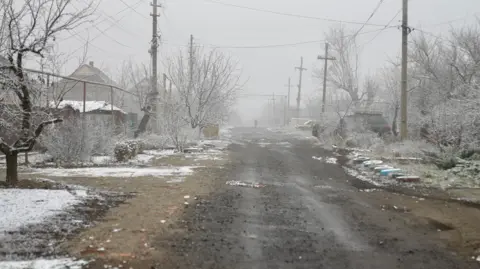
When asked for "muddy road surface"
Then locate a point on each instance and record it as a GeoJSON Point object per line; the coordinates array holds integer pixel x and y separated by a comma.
{"type": "Point", "coordinates": [290, 205]}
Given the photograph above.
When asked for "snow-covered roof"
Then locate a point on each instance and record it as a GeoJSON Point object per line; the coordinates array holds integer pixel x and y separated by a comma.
{"type": "Point", "coordinates": [89, 106]}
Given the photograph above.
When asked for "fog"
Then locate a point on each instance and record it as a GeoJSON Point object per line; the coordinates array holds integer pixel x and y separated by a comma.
{"type": "Point", "coordinates": [259, 41]}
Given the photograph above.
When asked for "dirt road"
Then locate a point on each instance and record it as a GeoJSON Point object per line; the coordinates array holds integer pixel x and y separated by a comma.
{"type": "Point", "coordinates": [305, 213]}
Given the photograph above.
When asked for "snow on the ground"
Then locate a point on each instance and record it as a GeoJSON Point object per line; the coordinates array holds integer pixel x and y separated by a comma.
{"type": "Point", "coordinates": [43, 264]}
{"type": "Point", "coordinates": [363, 176]}
{"type": "Point", "coordinates": [331, 160]}
{"type": "Point", "coordinates": [33, 158]}
{"type": "Point", "coordinates": [19, 207]}
{"type": "Point", "coordinates": [121, 172]}
{"type": "Point", "coordinates": [218, 144]}
{"type": "Point", "coordinates": [102, 159]}
{"type": "Point", "coordinates": [142, 159]}
{"type": "Point", "coordinates": [160, 152]}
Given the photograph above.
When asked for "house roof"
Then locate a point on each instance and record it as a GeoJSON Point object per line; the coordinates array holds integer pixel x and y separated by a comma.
{"type": "Point", "coordinates": [90, 106]}
{"type": "Point", "coordinates": [91, 73]}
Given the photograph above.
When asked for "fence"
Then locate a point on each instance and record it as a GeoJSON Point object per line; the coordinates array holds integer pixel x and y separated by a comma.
{"type": "Point", "coordinates": [89, 96]}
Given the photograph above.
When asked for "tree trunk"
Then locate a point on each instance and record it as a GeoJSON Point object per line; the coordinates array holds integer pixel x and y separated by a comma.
{"type": "Point", "coordinates": [12, 169]}
{"type": "Point", "coordinates": [143, 125]}
{"type": "Point", "coordinates": [394, 122]}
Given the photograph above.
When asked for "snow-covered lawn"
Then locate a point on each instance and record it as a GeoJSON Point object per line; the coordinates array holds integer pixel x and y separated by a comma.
{"type": "Point", "coordinates": [19, 207]}
{"type": "Point", "coordinates": [160, 153]}
{"type": "Point", "coordinates": [43, 264]}
{"type": "Point", "coordinates": [33, 158]}
{"type": "Point", "coordinates": [120, 172]}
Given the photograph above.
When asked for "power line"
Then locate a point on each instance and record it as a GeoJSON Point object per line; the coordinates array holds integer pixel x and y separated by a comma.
{"type": "Point", "coordinates": [450, 21]}
{"type": "Point", "coordinates": [291, 15]}
{"type": "Point", "coordinates": [381, 31]}
{"type": "Point", "coordinates": [113, 39]}
{"type": "Point", "coordinates": [112, 19]}
{"type": "Point", "coordinates": [275, 45]}
{"type": "Point", "coordinates": [101, 32]}
{"type": "Point", "coordinates": [115, 22]}
{"type": "Point", "coordinates": [132, 8]}
{"type": "Point", "coordinates": [369, 18]}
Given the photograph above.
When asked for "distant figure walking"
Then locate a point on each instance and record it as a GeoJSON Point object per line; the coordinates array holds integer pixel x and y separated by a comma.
{"type": "Point", "coordinates": [256, 123]}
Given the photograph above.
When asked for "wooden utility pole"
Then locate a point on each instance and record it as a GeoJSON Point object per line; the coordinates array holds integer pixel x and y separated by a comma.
{"type": "Point", "coordinates": [152, 102]}
{"type": "Point", "coordinates": [299, 85]}
{"type": "Point", "coordinates": [403, 111]}
{"type": "Point", "coordinates": [326, 58]}
{"type": "Point", "coordinates": [154, 54]}
{"type": "Point", "coordinates": [274, 112]}
{"type": "Point", "coordinates": [289, 85]}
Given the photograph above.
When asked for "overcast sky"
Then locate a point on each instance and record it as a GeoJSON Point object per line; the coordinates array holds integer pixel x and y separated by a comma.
{"type": "Point", "coordinates": [127, 29]}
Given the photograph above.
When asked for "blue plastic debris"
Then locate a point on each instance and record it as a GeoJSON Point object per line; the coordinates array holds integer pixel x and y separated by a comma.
{"type": "Point", "coordinates": [387, 172]}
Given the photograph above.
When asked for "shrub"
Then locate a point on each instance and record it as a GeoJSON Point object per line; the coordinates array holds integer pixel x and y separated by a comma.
{"type": "Point", "coordinates": [154, 141]}
{"type": "Point", "coordinates": [364, 139]}
{"type": "Point", "coordinates": [68, 142]}
{"type": "Point", "coordinates": [126, 150]}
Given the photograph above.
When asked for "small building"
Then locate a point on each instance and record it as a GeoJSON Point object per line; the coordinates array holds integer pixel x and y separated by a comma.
{"type": "Point", "coordinates": [97, 111]}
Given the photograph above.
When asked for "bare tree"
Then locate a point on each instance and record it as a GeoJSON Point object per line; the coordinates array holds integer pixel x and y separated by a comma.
{"type": "Point", "coordinates": [29, 30]}
{"type": "Point", "coordinates": [206, 82]}
{"type": "Point", "coordinates": [446, 71]}
{"type": "Point", "coordinates": [343, 72]}
{"type": "Point", "coordinates": [136, 78]}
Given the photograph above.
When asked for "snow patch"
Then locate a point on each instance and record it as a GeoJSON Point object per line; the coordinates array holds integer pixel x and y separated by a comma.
{"type": "Point", "coordinates": [363, 177]}
{"type": "Point", "coordinates": [43, 264]}
{"type": "Point", "coordinates": [19, 207]}
{"type": "Point", "coordinates": [160, 152]}
{"type": "Point", "coordinates": [331, 160]}
{"type": "Point", "coordinates": [102, 159]}
{"type": "Point", "coordinates": [142, 159]}
{"type": "Point", "coordinates": [121, 172]}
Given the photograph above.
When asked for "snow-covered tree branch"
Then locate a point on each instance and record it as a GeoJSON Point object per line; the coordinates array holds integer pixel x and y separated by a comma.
{"type": "Point", "coordinates": [206, 84]}
{"type": "Point", "coordinates": [28, 29]}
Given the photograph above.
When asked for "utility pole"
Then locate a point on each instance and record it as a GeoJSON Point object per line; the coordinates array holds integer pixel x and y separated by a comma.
{"type": "Point", "coordinates": [288, 95]}
{"type": "Point", "coordinates": [299, 86]}
{"type": "Point", "coordinates": [326, 58]}
{"type": "Point", "coordinates": [403, 111]}
{"type": "Point", "coordinates": [273, 104]}
{"type": "Point", "coordinates": [154, 52]}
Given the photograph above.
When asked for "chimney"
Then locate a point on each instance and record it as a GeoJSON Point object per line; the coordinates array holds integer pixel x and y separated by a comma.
{"type": "Point", "coordinates": [91, 63]}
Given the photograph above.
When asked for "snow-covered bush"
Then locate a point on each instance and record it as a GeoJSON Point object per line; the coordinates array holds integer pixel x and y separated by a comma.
{"type": "Point", "coordinates": [70, 142]}
{"type": "Point", "coordinates": [126, 150]}
{"type": "Point", "coordinates": [365, 139]}
{"type": "Point", "coordinates": [409, 148]}
{"type": "Point", "coordinates": [155, 141]}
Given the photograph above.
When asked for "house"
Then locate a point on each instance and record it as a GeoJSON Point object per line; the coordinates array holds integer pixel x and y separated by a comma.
{"type": "Point", "coordinates": [72, 90]}
{"type": "Point", "coordinates": [99, 112]}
